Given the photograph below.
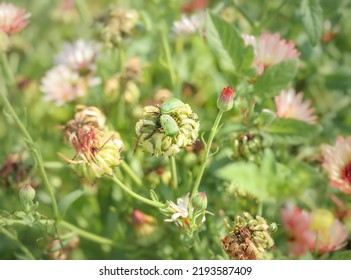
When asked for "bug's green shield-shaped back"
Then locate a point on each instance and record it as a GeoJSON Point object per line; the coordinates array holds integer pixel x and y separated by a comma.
{"type": "Point", "coordinates": [169, 125]}
{"type": "Point", "coordinates": [171, 105]}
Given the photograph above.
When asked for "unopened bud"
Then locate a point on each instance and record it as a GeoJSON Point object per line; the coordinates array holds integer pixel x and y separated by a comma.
{"type": "Point", "coordinates": [27, 193]}
{"type": "Point", "coordinates": [199, 201]}
{"type": "Point", "coordinates": [225, 100]}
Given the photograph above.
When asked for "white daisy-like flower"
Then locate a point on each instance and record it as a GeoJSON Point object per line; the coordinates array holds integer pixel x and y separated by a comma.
{"type": "Point", "coordinates": [79, 56]}
{"type": "Point", "coordinates": [61, 85]}
{"type": "Point", "coordinates": [12, 18]}
{"type": "Point", "coordinates": [188, 25]}
{"type": "Point", "coordinates": [269, 49]}
{"type": "Point", "coordinates": [181, 214]}
{"type": "Point", "coordinates": [337, 163]}
{"type": "Point", "coordinates": [291, 105]}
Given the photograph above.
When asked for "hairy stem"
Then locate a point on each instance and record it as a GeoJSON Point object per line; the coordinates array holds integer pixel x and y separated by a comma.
{"type": "Point", "coordinates": [173, 166]}
{"type": "Point", "coordinates": [6, 66]}
{"type": "Point", "coordinates": [32, 147]}
{"type": "Point", "coordinates": [85, 234]}
{"type": "Point", "coordinates": [208, 149]}
{"type": "Point", "coordinates": [131, 174]}
{"type": "Point", "coordinates": [135, 195]}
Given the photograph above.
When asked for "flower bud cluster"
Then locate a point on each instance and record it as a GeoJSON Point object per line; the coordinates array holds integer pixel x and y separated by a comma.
{"type": "Point", "coordinates": [248, 147]}
{"type": "Point", "coordinates": [116, 25]}
{"type": "Point", "coordinates": [249, 238]}
{"type": "Point", "coordinates": [98, 149]}
{"type": "Point", "coordinates": [152, 135]}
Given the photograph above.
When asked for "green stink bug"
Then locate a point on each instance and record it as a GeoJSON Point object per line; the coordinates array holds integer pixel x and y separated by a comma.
{"type": "Point", "coordinates": [169, 125]}
{"type": "Point", "coordinates": [171, 105]}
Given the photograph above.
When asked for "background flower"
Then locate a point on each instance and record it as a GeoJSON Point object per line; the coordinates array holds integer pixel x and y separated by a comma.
{"type": "Point", "coordinates": [269, 49]}
{"type": "Point", "coordinates": [12, 18]}
{"type": "Point", "coordinates": [79, 56]}
{"type": "Point", "coordinates": [337, 163]}
{"type": "Point", "coordinates": [291, 105]}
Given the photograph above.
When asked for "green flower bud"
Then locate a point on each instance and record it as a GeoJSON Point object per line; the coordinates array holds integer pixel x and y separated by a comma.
{"type": "Point", "coordinates": [27, 194]}
{"type": "Point", "coordinates": [226, 100]}
{"type": "Point", "coordinates": [199, 201]}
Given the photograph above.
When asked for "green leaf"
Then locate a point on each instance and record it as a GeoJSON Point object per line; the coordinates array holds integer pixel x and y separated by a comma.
{"type": "Point", "coordinates": [341, 255]}
{"type": "Point", "coordinates": [67, 201]}
{"type": "Point", "coordinates": [312, 18]}
{"type": "Point", "coordinates": [291, 131]}
{"type": "Point", "coordinates": [339, 79]}
{"type": "Point", "coordinates": [275, 78]}
{"type": "Point", "coordinates": [244, 178]}
{"type": "Point", "coordinates": [228, 44]}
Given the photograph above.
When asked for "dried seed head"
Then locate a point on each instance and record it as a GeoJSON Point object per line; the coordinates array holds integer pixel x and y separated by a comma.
{"type": "Point", "coordinates": [249, 238]}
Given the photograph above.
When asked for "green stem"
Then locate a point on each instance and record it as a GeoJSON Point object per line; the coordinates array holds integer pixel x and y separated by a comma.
{"type": "Point", "coordinates": [86, 234]}
{"type": "Point", "coordinates": [135, 195]}
{"type": "Point", "coordinates": [208, 149]}
{"type": "Point", "coordinates": [173, 166]}
{"type": "Point", "coordinates": [131, 174]}
{"type": "Point", "coordinates": [167, 50]}
{"type": "Point", "coordinates": [18, 243]}
{"type": "Point", "coordinates": [6, 66]}
{"type": "Point", "coordinates": [83, 10]}
{"type": "Point", "coordinates": [31, 147]}
{"type": "Point", "coordinates": [260, 208]}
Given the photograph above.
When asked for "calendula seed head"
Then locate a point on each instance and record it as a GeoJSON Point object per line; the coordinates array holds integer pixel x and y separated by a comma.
{"type": "Point", "coordinates": [165, 130]}
{"type": "Point", "coordinates": [249, 238]}
{"type": "Point", "coordinates": [116, 25]}
{"type": "Point", "coordinates": [97, 148]}
{"type": "Point", "coordinates": [101, 160]}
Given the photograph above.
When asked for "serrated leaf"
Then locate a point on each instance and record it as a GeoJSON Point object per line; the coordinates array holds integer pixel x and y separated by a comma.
{"type": "Point", "coordinates": [275, 78]}
{"type": "Point", "coordinates": [312, 18]}
{"type": "Point", "coordinates": [228, 44]}
{"type": "Point", "coordinates": [245, 178]}
{"type": "Point", "coordinates": [291, 131]}
{"type": "Point", "coordinates": [67, 201]}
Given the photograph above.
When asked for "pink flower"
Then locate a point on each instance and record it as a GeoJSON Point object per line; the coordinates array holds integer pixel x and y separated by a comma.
{"type": "Point", "coordinates": [269, 49]}
{"type": "Point", "coordinates": [79, 56]}
{"type": "Point", "coordinates": [61, 85]}
{"type": "Point", "coordinates": [291, 105]}
{"type": "Point", "coordinates": [296, 222]}
{"type": "Point", "coordinates": [12, 18]}
{"type": "Point", "coordinates": [337, 163]}
{"type": "Point", "coordinates": [316, 232]}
